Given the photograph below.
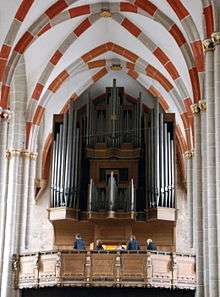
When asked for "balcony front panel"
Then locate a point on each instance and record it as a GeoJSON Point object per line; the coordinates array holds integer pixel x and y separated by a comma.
{"type": "Point", "coordinates": [105, 269]}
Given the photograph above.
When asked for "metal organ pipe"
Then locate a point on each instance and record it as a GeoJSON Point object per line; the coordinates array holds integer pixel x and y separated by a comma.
{"type": "Point", "coordinates": [53, 188]}
{"type": "Point", "coordinates": [63, 158]}
{"type": "Point", "coordinates": [162, 177]}
{"type": "Point", "coordinates": [68, 156]}
{"type": "Point", "coordinates": [59, 138]}
{"type": "Point", "coordinates": [152, 145]}
{"type": "Point", "coordinates": [169, 168]}
{"type": "Point", "coordinates": [73, 160]}
{"type": "Point", "coordinates": [90, 195]}
{"type": "Point", "coordinates": [172, 174]}
{"type": "Point", "coordinates": [166, 165]}
{"type": "Point", "coordinates": [76, 173]}
{"type": "Point", "coordinates": [157, 153]}
{"type": "Point", "coordinates": [132, 196]}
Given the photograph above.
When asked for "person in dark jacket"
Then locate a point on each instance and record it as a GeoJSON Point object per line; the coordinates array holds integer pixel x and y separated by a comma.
{"type": "Point", "coordinates": [99, 246]}
{"type": "Point", "coordinates": [133, 244]}
{"type": "Point", "coordinates": [79, 243]}
{"type": "Point", "coordinates": [151, 246]}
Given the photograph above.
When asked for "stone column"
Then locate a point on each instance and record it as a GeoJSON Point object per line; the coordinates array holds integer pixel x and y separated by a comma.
{"type": "Point", "coordinates": [13, 214]}
{"type": "Point", "coordinates": [197, 196]}
{"type": "Point", "coordinates": [30, 163]}
{"type": "Point", "coordinates": [216, 40]}
{"type": "Point", "coordinates": [211, 253]}
{"type": "Point", "coordinates": [202, 105]}
{"type": "Point", "coordinates": [21, 178]}
{"type": "Point", "coordinates": [189, 181]}
{"type": "Point", "coordinates": [4, 117]}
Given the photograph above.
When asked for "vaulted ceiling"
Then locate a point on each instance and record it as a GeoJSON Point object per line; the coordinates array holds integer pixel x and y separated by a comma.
{"type": "Point", "coordinates": [69, 46]}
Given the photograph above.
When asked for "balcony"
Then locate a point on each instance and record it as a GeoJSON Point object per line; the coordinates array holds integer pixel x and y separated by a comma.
{"type": "Point", "coordinates": [104, 269]}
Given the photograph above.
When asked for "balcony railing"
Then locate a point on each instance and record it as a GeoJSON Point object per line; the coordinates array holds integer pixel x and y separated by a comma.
{"type": "Point", "coordinates": [105, 269]}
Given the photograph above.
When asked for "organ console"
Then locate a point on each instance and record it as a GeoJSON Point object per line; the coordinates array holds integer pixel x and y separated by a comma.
{"type": "Point", "coordinates": [113, 159]}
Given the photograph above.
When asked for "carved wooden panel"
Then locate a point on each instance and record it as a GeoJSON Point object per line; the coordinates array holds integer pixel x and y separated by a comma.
{"type": "Point", "coordinates": [28, 271]}
{"type": "Point", "coordinates": [186, 275]}
{"type": "Point", "coordinates": [133, 265]}
{"type": "Point", "coordinates": [103, 265]}
{"type": "Point", "coordinates": [161, 270]}
{"type": "Point", "coordinates": [73, 264]}
{"type": "Point", "coordinates": [47, 267]}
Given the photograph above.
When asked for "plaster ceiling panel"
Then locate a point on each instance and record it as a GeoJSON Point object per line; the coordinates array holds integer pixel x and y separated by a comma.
{"type": "Point", "coordinates": [91, 38]}
{"type": "Point", "coordinates": [166, 42]}
{"type": "Point", "coordinates": [196, 10]}
{"type": "Point", "coordinates": [164, 6]}
{"type": "Point", "coordinates": [123, 38]}
{"type": "Point", "coordinates": [7, 12]}
{"type": "Point", "coordinates": [39, 53]}
{"type": "Point", "coordinates": [37, 9]}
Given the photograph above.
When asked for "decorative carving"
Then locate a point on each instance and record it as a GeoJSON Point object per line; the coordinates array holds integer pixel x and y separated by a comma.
{"type": "Point", "coordinates": [174, 269]}
{"type": "Point", "coordinates": [202, 105]}
{"type": "Point", "coordinates": [105, 13]}
{"type": "Point", "coordinates": [15, 269]}
{"type": "Point", "coordinates": [195, 108]}
{"type": "Point", "coordinates": [116, 67]}
{"type": "Point", "coordinates": [58, 268]}
{"type": "Point", "coordinates": [5, 114]}
{"type": "Point", "coordinates": [216, 38]}
{"type": "Point", "coordinates": [208, 45]}
{"type": "Point", "coordinates": [22, 153]}
{"type": "Point", "coordinates": [188, 154]}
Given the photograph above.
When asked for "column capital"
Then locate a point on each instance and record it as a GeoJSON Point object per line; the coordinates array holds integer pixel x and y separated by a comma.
{"type": "Point", "coordinates": [21, 153]}
{"type": "Point", "coordinates": [195, 108]}
{"type": "Point", "coordinates": [189, 154]}
{"type": "Point", "coordinates": [208, 45]}
{"type": "Point", "coordinates": [202, 105]}
{"type": "Point", "coordinates": [5, 114]}
{"type": "Point", "coordinates": [216, 38]}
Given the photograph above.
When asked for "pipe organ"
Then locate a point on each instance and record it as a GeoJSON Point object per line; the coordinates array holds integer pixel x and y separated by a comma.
{"type": "Point", "coordinates": [113, 157]}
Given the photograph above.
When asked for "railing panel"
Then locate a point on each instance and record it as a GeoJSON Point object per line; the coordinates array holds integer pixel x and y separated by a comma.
{"type": "Point", "coordinates": [28, 274]}
{"type": "Point", "coordinates": [131, 269]}
{"type": "Point", "coordinates": [161, 270]}
{"type": "Point", "coordinates": [103, 267]}
{"type": "Point", "coordinates": [186, 275]}
{"type": "Point", "coordinates": [48, 269]}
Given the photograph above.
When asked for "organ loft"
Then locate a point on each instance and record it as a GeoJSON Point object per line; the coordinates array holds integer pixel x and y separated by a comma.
{"type": "Point", "coordinates": [112, 176]}
{"type": "Point", "coordinates": [113, 171]}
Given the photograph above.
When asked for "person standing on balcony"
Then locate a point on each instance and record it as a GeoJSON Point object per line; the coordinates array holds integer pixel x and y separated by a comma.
{"type": "Point", "coordinates": [79, 243]}
{"type": "Point", "coordinates": [133, 244]}
{"type": "Point", "coordinates": [99, 246]}
{"type": "Point", "coordinates": [151, 246]}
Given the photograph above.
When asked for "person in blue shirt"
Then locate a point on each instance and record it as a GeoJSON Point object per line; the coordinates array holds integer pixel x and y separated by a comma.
{"type": "Point", "coordinates": [133, 244]}
{"type": "Point", "coordinates": [79, 243]}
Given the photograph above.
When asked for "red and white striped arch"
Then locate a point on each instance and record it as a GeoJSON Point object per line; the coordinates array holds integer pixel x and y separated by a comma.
{"type": "Point", "coordinates": [45, 22]}
{"type": "Point", "coordinates": [182, 34]}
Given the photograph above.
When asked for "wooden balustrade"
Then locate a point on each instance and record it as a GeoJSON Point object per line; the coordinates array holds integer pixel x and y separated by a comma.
{"type": "Point", "coordinates": [105, 269]}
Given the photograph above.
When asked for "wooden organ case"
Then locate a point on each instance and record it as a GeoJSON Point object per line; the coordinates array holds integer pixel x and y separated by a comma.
{"type": "Point", "coordinates": [113, 172]}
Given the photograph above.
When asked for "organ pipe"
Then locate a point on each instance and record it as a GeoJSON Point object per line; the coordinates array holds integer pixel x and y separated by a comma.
{"type": "Point", "coordinates": [53, 175]}
{"type": "Point", "coordinates": [63, 158]}
{"type": "Point", "coordinates": [166, 165]}
{"type": "Point", "coordinates": [152, 158]}
{"type": "Point", "coordinates": [162, 175]}
{"type": "Point", "coordinates": [157, 153]}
